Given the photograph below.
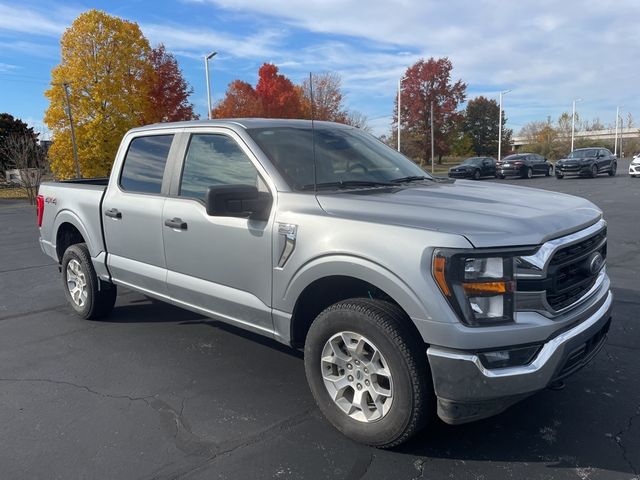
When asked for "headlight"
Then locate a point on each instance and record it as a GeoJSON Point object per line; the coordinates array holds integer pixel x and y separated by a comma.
{"type": "Point", "coordinates": [480, 286]}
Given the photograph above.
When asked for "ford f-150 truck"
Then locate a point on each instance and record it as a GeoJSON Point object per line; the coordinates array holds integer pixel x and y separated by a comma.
{"type": "Point", "coordinates": [410, 294]}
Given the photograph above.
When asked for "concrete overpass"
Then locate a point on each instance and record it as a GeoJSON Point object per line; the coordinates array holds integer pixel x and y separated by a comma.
{"type": "Point", "coordinates": [607, 134]}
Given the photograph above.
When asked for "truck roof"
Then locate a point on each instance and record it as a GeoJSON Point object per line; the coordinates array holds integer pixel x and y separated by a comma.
{"type": "Point", "coordinates": [244, 123]}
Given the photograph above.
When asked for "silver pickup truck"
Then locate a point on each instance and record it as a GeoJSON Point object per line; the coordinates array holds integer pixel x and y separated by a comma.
{"type": "Point", "coordinates": [409, 294]}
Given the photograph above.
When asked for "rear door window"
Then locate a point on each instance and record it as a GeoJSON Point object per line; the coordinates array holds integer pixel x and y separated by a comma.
{"type": "Point", "coordinates": [144, 164]}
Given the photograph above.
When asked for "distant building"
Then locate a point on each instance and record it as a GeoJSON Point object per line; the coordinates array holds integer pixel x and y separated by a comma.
{"type": "Point", "coordinates": [15, 176]}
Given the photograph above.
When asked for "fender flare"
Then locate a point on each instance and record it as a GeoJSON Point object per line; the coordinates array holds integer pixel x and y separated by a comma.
{"type": "Point", "coordinates": [356, 267]}
{"type": "Point", "coordinates": [67, 216]}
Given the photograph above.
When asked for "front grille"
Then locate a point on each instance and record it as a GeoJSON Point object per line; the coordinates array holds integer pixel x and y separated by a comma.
{"type": "Point", "coordinates": [569, 275]}
{"type": "Point", "coordinates": [569, 271]}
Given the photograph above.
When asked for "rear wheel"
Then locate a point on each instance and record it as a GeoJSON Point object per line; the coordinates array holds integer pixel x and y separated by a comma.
{"type": "Point", "coordinates": [594, 171]}
{"type": "Point", "coordinates": [368, 372]}
{"type": "Point", "coordinates": [614, 168]}
{"type": "Point", "coordinates": [89, 297]}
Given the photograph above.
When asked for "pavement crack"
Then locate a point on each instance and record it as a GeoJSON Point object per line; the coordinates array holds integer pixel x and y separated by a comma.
{"type": "Point", "coordinates": [419, 466]}
{"type": "Point", "coordinates": [618, 439]}
{"type": "Point", "coordinates": [76, 385]}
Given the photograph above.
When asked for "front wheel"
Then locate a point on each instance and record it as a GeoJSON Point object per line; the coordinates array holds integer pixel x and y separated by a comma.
{"type": "Point", "coordinates": [594, 171]}
{"type": "Point", "coordinates": [528, 173]}
{"type": "Point", "coordinates": [549, 171]}
{"type": "Point", "coordinates": [476, 175]}
{"type": "Point", "coordinates": [614, 168]}
{"type": "Point", "coordinates": [368, 372]}
{"type": "Point", "coordinates": [89, 297]}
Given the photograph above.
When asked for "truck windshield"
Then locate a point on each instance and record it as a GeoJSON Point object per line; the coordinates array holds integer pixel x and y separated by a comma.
{"type": "Point", "coordinates": [344, 157]}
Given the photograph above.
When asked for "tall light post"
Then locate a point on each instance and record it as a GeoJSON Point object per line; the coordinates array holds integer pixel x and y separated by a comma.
{"type": "Point", "coordinates": [503, 92]}
{"type": "Point", "coordinates": [573, 120]}
{"type": "Point", "coordinates": [206, 70]}
{"type": "Point", "coordinates": [615, 145]}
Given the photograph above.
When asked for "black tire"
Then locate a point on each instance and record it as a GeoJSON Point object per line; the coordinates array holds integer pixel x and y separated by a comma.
{"type": "Point", "coordinates": [594, 171]}
{"type": "Point", "coordinates": [476, 175]}
{"type": "Point", "coordinates": [527, 173]}
{"type": "Point", "coordinates": [385, 325]}
{"type": "Point", "coordinates": [559, 176]}
{"type": "Point", "coordinates": [613, 170]}
{"type": "Point", "coordinates": [101, 296]}
{"type": "Point", "coordinates": [501, 177]}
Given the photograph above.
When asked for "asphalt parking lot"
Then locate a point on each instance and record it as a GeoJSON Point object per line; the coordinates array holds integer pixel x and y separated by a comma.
{"type": "Point", "coordinates": [159, 392]}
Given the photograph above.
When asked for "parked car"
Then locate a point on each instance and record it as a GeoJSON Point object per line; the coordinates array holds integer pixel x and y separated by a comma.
{"type": "Point", "coordinates": [588, 162]}
{"type": "Point", "coordinates": [634, 166]}
{"type": "Point", "coordinates": [524, 165]}
{"type": "Point", "coordinates": [408, 293]}
{"type": "Point", "coordinates": [474, 167]}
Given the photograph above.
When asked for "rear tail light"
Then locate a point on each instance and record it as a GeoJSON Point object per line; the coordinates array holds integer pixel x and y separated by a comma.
{"type": "Point", "coordinates": [40, 208]}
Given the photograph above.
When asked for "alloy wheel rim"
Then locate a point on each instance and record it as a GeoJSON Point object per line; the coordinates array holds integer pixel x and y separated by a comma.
{"type": "Point", "coordinates": [76, 283]}
{"type": "Point", "coordinates": [357, 376]}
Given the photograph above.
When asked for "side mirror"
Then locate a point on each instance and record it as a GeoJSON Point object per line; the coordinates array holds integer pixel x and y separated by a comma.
{"type": "Point", "coordinates": [237, 201]}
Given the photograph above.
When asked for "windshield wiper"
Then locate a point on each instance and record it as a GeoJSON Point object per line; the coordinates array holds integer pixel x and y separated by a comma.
{"type": "Point", "coordinates": [412, 178]}
{"type": "Point", "coordinates": [348, 184]}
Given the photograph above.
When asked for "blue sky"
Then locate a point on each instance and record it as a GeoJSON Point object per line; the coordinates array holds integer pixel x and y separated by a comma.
{"type": "Point", "coordinates": [547, 52]}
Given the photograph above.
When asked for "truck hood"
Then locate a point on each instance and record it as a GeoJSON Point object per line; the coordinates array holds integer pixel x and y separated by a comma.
{"type": "Point", "coordinates": [487, 214]}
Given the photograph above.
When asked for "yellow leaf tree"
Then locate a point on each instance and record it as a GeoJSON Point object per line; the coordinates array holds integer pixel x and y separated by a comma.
{"type": "Point", "coordinates": [104, 62]}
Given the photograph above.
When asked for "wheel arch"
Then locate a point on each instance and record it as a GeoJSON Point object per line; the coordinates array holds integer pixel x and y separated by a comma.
{"type": "Point", "coordinates": [70, 230]}
{"type": "Point", "coordinates": [330, 281]}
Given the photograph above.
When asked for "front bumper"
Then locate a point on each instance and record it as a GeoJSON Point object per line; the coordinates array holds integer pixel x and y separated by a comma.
{"type": "Point", "coordinates": [573, 169]}
{"type": "Point", "coordinates": [510, 171]}
{"type": "Point", "coordinates": [468, 391]}
{"type": "Point", "coordinates": [634, 169]}
{"type": "Point", "coordinates": [461, 174]}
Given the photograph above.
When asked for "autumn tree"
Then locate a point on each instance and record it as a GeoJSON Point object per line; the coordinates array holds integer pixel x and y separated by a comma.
{"type": "Point", "coordinates": [275, 96]}
{"type": "Point", "coordinates": [426, 82]}
{"type": "Point", "coordinates": [241, 100]}
{"type": "Point", "coordinates": [10, 126]}
{"type": "Point", "coordinates": [168, 92]}
{"type": "Point", "coordinates": [480, 124]}
{"type": "Point", "coordinates": [104, 61]}
{"type": "Point", "coordinates": [327, 97]}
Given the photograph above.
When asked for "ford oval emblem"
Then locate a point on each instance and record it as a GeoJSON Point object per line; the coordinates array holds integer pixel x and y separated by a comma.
{"type": "Point", "coordinates": [595, 263]}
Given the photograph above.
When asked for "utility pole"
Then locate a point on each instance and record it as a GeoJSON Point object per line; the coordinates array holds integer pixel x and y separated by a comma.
{"type": "Point", "coordinates": [432, 144]}
{"type": "Point", "coordinates": [65, 85]}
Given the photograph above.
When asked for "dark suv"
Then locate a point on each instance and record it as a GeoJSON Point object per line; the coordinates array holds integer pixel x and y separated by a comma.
{"type": "Point", "coordinates": [587, 162]}
{"type": "Point", "coordinates": [474, 167]}
{"type": "Point", "coordinates": [524, 165]}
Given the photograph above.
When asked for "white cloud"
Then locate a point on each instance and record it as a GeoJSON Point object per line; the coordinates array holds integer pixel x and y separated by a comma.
{"type": "Point", "coordinates": [33, 22]}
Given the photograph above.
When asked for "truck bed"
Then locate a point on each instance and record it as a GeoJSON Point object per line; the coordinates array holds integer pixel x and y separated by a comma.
{"type": "Point", "coordinates": [77, 202]}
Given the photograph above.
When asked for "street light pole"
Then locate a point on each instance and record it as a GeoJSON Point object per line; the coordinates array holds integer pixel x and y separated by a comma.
{"type": "Point", "coordinates": [503, 92]}
{"type": "Point", "coordinates": [432, 144]}
{"type": "Point", "coordinates": [573, 120]}
{"type": "Point", "coordinates": [206, 70]}
{"type": "Point", "coordinates": [399, 87]}
{"type": "Point", "coordinates": [65, 85]}
{"type": "Point", "coordinates": [615, 145]}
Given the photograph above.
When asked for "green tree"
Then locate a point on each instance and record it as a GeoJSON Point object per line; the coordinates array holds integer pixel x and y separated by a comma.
{"type": "Point", "coordinates": [10, 127]}
{"type": "Point", "coordinates": [104, 60]}
{"type": "Point", "coordinates": [481, 125]}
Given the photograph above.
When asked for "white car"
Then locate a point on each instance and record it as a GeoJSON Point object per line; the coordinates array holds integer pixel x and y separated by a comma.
{"type": "Point", "coordinates": [634, 167]}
